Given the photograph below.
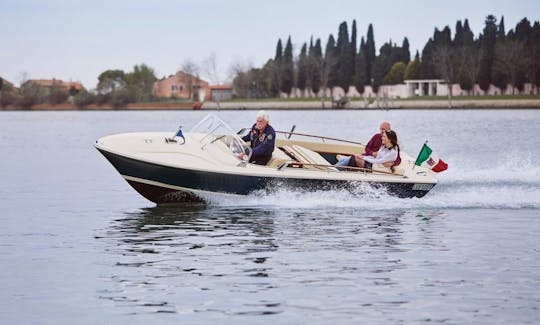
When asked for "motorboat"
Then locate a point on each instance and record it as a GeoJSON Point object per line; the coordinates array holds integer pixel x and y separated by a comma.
{"type": "Point", "coordinates": [170, 167]}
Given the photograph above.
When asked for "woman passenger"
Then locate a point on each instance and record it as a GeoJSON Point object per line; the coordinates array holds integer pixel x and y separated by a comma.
{"type": "Point", "coordinates": [386, 155]}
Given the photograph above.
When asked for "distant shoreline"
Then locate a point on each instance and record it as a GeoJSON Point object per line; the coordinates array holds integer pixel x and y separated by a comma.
{"type": "Point", "coordinates": [302, 105]}
{"type": "Point", "coordinates": [392, 104]}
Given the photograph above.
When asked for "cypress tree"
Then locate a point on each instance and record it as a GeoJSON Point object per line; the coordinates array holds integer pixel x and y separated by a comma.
{"type": "Point", "coordinates": [360, 70]}
{"type": "Point", "coordinates": [499, 77]}
{"type": "Point", "coordinates": [468, 35]}
{"type": "Point", "coordinates": [534, 50]}
{"type": "Point", "coordinates": [353, 49]}
{"type": "Point", "coordinates": [279, 52]}
{"type": "Point", "coordinates": [501, 33]}
{"type": "Point", "coordinates": [277, 69]}
{"type": "Point", "coordinates": [370, 54]}
{"type": "Point", "coordinates": [467, 56]}
{"type": "Point", "coordinates": [316, 66]}
{"type": "Point", "coordinates": [309, 63]}
{"type": "Point", "coordinates": [439, 40]}
{"type": "Point", "coordinates": [382, 65]}
{"type": "Point", "coordinates": [459, 52]}
{"type": "Point", "coordinates": [444, 54]}
{"type": "Point", "coordinates": [345, 59]}
{"type": "Point", "coordinates": [362, 48]}
{"type": "Point", "coordinates": [405, 52]}
{"type": "Point", "coordinates": [302, 77]}
{"type": "Point", "coordinates": [443, 37]}
{"type": "Point", "coordinates": [331, 63]}
{"type": "Point", "coordinates": [523, 30]}
{"type": "Point", "coordinates": [487, 48]}
{"type": "Point", "coordinates": [458, 37]}
{"type": "Point", "coordinates": [523, 34]}
{"type": "Point", "coordinates": [287, 77]}
{"type": "Point", "coordinates": [428, 72]}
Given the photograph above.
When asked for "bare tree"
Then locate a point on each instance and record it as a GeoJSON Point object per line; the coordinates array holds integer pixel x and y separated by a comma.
{"type": "Point", "coordinates": [326, 66]}
{"type": "Point", "coordinates": [238, 66]}
{"type": "Point", "coordinates": [192, 76]}
{"type": "Point", "coordinates": [277, 76]}
{"type": "Point", "coordinates": [468, 65]}
{"type": "Point", "coordinates": [238, 72]}
{"type": "Point", "coordinates": [210, 68]}
{"type": "Point", "coordinates": [443, 56]}
{"type": "Point", "coordinates": [23, 77]}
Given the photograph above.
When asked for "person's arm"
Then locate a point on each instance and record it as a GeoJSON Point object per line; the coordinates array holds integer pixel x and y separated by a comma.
{"type": "Point", "coordinates": [371, 147]}
{"type": "Point", "coordinates": [247, 137]}
{"type": "Point", "coordinates": [384, 156]}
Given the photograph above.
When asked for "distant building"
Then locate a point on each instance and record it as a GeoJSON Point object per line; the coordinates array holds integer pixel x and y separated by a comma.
{"type": "Point", "coordinates": [49, 83]}
{"type": "Point", "coordinates": [181, 85]}
{"type": "Point", "coordinates": [219, 93]}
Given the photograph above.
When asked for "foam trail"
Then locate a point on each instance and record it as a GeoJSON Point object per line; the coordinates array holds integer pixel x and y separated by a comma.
{"type": "Point", "coordinates": [510, 171]}
{"type": "Point", "coordinates": [452, 196]}
{"type": "Point", "coordinates": [482, 196]}
{"type": "Point", "coordinates": [510, 184]}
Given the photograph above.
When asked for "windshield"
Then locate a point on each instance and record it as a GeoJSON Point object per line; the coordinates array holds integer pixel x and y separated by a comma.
{"type": "Point", "coordinates": [214, 129]}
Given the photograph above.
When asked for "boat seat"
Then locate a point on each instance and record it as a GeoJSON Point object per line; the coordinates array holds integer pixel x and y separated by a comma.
{"type": "Point", "coordinates": [278, 158]}
{"type": "Point", "coordinates": [307, 156]}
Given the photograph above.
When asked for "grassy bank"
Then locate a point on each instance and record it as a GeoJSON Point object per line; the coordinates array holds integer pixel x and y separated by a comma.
{"type": "Point", "coordinates": [372, 99]}
{"type": "Point", "coordinates": [424, 102]}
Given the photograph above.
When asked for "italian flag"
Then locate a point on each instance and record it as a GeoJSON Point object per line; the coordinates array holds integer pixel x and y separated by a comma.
{"type": "Point", "coordinates": [434, 163]}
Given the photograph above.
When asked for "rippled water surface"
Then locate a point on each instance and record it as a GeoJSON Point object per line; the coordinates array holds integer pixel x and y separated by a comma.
{"type": "Point", "coordinates": [79, 246]}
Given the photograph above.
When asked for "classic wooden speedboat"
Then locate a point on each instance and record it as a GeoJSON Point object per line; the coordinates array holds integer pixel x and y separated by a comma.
{"type": "Point", "coordinates": [167, 167]}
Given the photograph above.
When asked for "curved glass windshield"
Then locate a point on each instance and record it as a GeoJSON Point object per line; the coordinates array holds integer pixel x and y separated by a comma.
{"type": "Point", "coordinates": [214, 129]}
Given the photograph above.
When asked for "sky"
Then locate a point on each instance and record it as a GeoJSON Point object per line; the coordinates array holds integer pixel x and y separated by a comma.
{"type": "Point", "coordinates": [77, 40]}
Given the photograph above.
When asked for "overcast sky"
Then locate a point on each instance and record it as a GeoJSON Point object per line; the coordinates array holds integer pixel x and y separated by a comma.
{"type": "Point", "coordinates": [77, 40]}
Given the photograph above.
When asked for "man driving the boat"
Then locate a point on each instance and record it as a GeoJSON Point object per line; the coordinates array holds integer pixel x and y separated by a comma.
{"type": "Point", "coordinates": [262, 138]}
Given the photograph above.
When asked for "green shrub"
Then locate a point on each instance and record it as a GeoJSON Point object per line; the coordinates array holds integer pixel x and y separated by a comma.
{"type": "Point", "coordinates": [57, 95]}
{"type": "Point", "coordinates": [84, 98]}
{"type": "Point", "coordinates": [29, 95]}
{"type": "Point", "coordinates": [7, 98]}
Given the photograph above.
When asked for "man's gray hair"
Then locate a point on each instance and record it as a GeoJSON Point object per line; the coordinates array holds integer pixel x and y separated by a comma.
{"type": "Point", "coordinates": [264, 116]}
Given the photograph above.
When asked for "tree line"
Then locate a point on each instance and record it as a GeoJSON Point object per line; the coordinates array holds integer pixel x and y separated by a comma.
{"type": "Point", "coordinates": [495, 57]}
{"type": "Point", "coordinates": [115, 87]}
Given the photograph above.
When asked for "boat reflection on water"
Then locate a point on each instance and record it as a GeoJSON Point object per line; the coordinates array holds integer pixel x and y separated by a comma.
{"type": "Point", "coordinates": [249, 260]}
{"type": "Point", "coordinates": [173, 247]}
{"type": "Point", "coordinates": [162, 229]}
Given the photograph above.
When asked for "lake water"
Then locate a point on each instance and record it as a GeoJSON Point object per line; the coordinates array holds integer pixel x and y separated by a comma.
{"type": "Point", "coordinates": [79, 246]}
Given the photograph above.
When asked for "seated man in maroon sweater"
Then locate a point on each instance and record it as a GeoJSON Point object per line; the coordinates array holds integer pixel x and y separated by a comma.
{"type": "Point", "coordinates": [372, 147]}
